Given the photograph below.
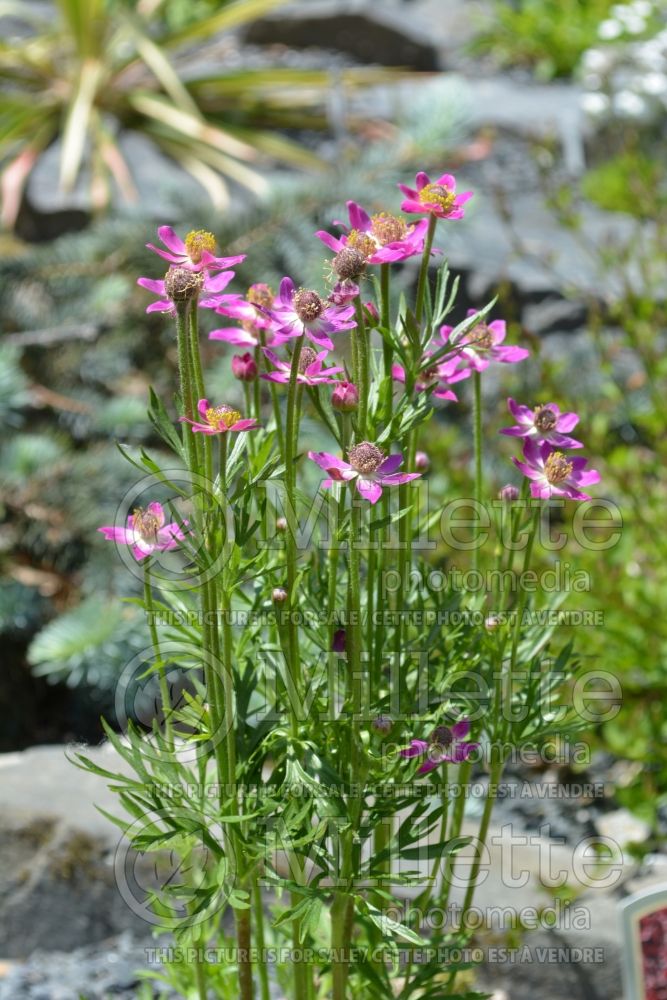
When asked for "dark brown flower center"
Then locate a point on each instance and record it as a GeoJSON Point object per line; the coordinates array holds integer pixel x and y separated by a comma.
{"type": "Point", "coordinates": [557, 468]}
{"type": "Point", "coordinates": [366, 457]}
{"type": "Point", "coordinates": [441, 737]}
{"type": "Point", "coordinates": [181, 285]}
{"type": "Point", "coordinates": [545, 418]}
{"type": "Point", "coordinates": [348, 263]}
{"type": "Point", "coordinates": [308, 305]}
{"type": "Point", "coordinates": [306, 358]}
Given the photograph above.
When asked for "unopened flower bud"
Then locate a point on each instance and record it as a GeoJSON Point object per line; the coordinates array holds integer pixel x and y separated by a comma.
{"type": "Point", "coordinates": [382, 724]}
{"type": "Point", "coordinates": [244, 367]}
{"type": "Point", "coordinates": [345, 397]}
{"type": "Point", "coordinates": [182, 285]}
{"type": "Point", "coordinates": [422, 462]}
{"type": "Point", "coordinates": [372, 316]}
{"type": "Point", "coordinates": [281, 524]}
{"type": "Point", "coordinates": [491, 622]}
{"type": "Point", "coordinates": [279, 595]}
{"type": "Point", "coordinates": [508, 493]}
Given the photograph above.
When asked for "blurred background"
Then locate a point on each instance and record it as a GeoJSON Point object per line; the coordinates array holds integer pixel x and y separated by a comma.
{"type": "Point", "coordinates": [258, 120]}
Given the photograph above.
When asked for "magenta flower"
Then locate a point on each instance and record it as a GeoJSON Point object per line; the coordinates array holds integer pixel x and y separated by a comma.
{"type": "Point", "coordinates": [544, 423]}
{"type": "Point", "coordinates": [310, 371]}
{"type": "Point", "coordinates": [345, 397]}
{"type": "Point", "coordinates": [553, 474]}
{"type": "Point", "coordinates": [195, 253]}
{"type": "Point", "coordinates": [244, 367]}
{"type": "Point", "coordinates": [254, 313]}
{"type": "Point", "coordinates": [303, 311]}
{"type": "Point", "coordinates": [430, 379]}
{"type": "Point", "coordinates": [380, 239]}
{"type": "Point", "coordinates": [209, 283]}
{"type": "Point", "coordinates": [438, 198]}
{"type": "Point", "coordinates": [368, 465]}
{"type": "Point", "coordinates": [146, 532]}
{"type": "Point", "coordinates": [445, 745]}
{"type": "Point", "coordinates": [482, 345]}
{"type": "Point", "coordinates": [219, 419]}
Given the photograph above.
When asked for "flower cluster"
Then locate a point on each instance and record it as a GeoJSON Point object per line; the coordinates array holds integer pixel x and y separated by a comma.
{"type": "Point", "coordinates": [544, 431]}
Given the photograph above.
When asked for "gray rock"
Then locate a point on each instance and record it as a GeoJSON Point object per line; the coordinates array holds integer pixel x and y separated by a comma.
{"type": "Point", "coordinates": [368, 32]}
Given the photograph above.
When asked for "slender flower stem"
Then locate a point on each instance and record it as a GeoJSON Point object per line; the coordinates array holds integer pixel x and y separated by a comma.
{"type": "Point", "coordinates": [185, 378]}
{"type": "Point", "coordinates": [362, 374]}
{"type": "Point", "coordinates": [477, 445]}
{"type": "Point", "coordinates": [277, 419]}
{"type": "Point", "coordinates": [423, 270]}
{"type": "Point", "coordinates": [291, 435]}
{"type": "Point", "coordinates": [387, 352]}
{"type": "Point", "coordinates": [262, 965]}
{"type": "Point", "coordinates": [162, 675]}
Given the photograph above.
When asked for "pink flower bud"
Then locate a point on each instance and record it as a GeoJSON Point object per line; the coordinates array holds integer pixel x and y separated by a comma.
{"type": "Point", "coordinates": [281, 524]}
{"type": "Point", "coordinates": [422, 462]}
{"type": "Point", "coordinates": [508, 493]}
{"type": "Point", "coordinates": [371, 314]}
{"type": "Point", "coordinates": [279, 595]}
{"type": "Point", "coordinates": [244, 367]}
{"type": "Point", "coordinates": [345, 397]}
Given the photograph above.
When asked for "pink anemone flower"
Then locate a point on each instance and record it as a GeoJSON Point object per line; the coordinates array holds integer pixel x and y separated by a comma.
{"type": "Point", "coordinates": [543, 423]}
{"type": "Point", "coordinates": [553, 474]}
{"type": "Point", "coordinates": [211, 283]}
{"type": "Point", "coordinates": [445, 745]}
{"type": "Point", "coordinates": [299, 311]}
{"type": "Point", "coordinates": [482, 345]}
{"type": "Point", "coordinates": [368, 465]}
{"type": "Point", "coordinates": [253, 313]}
{"type": "Point", "coordinates": [146, 532]}
{"type": "Point", "coordinates": [438, 198]}
{"type": "Point", "coordinates": [311, 370]}
{"type": "Point", "coordinates": [195, 253]}
{"type": "Point", "coordinates": [380, 239]}
{"type": "Point", "coordinates": [434, 378]}
{"type": "Point", "coordinates": [219, 419]}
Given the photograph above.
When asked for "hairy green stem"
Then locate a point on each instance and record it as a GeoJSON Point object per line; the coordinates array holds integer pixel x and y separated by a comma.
{"type": "Point", "coordinates": [477, 446]}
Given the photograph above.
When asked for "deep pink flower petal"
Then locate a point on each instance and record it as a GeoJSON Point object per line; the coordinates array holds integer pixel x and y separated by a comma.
{"type": "Point", "coordinates": [429, 765]}
{"type": "Point", "coordinates": [113, 534]}
{"type": "Point", "coordinates": [417, 748]}
{"type": "Point", "coordinates": [172, 242]}
{"type": "Point", "coordinates": [334, 243]}
{"type": "Point", "coordinates": [359, 219]}
{"type": "Point", "coordinates": [399, 478]}
{"type": "Point", "coordinates": [461, 729]}
{"type": "Point", "coordinates": [390, 465]}
{"type": "Point", "coordinates": [370, 489]}
{"type": "Point", "coordinates": [218, 282]}
{"type": "Point", "coordinates": [155, 285]}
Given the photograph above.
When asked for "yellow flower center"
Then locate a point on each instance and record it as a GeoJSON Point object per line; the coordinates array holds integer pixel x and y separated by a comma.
{"type": "Point", "coordinates": [362, 242]}
{"type": "Point", "coordinates": [557, 468]}
{"type": "Point", "coordinates": [197, 242]}
{"type": "Point", "coordinates": [387, 228]}
{"type": "Point", "coordinates": [147, 524]}
{"type": "Point", "coordinates": [437, 194]}
{"type": "Point", "coordinates": [222, 416]}
{"type": "Point", "coordinates": [260, 295]}
{"type": "Point", "coordinates": [480, 337]}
